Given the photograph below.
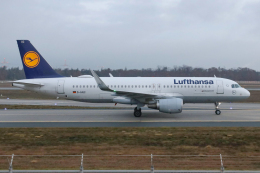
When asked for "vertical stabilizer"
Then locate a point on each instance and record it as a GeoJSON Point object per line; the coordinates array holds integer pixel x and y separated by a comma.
{"type": "Point", "coordinates": [34, 64]}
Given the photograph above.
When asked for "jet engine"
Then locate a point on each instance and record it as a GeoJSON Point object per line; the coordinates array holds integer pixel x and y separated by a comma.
{"type": "Point", "coordinates": [173, 105]}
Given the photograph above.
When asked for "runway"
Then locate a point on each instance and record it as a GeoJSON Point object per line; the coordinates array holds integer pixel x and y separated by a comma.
{"type": "Point", "coordinates": [193, 115]}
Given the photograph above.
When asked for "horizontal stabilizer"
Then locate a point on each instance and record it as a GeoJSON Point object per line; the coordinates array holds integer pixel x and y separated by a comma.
{"type": "Point", "coordinates": [28, 83]}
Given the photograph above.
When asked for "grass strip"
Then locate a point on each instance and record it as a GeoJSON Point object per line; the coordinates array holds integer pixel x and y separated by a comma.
{"type": "Point", "coordinates": [239, 142]}
{"type": "Point", "coordinates": [54, 107]}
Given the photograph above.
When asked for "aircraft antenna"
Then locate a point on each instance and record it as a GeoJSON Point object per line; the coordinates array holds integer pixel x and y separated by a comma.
{"type": "Point", "coordinates": [4, 63]}
{"type": "Point", "coordinates": [65, 65]}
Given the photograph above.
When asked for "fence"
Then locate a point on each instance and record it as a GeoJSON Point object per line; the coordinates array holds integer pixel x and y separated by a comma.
{"type": "Point", "coordinates": [129, 162]}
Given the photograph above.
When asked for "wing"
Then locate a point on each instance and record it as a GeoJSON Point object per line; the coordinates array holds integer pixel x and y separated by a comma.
{"type": "Point", "coordinates": [136, 95]}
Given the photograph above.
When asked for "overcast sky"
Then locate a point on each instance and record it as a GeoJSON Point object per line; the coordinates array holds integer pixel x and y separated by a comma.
{"type": "Point", "coordinates": [135, 33]}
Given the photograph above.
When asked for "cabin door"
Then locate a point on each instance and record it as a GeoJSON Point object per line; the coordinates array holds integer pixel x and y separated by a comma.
{"type": "Point", "coordinates": [220, 88]}
{"type": "Point", "coordinates": [60, 87]}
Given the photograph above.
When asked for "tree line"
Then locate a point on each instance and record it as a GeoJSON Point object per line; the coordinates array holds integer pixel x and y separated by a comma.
{"type": "Point", "coordinates": [238, 74]}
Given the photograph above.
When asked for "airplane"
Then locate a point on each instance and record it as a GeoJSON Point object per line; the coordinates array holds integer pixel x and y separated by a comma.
{"type": "Point", "coordinates": [166, 94]}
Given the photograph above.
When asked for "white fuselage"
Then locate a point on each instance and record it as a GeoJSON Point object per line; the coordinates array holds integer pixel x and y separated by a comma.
{"type": "Point", "coordinates": [190, 89]}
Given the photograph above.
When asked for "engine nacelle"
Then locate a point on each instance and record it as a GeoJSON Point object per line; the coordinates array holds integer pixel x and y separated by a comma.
{"type": "Point", "coordinates": [173, 105]}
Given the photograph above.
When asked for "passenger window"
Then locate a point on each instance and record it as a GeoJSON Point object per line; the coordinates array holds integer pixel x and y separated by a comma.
{"type": "Point", "coordinates": [139, 86]}
{"type": "Point", "coordinates": [90, 86]}
{"type": "Point", "coordinates": [145, 86]}
{"type": "Point", "coordinates": [202, 86]}
{"type": "Point", "coordinates": [136, 86]}
{"type": "Point", "coordinates": [198, 86]}
{"type": "Point", "coordinates": [195, 86]}
{"type": "Point", "coordinates": [73, 86]}
{"type": "Point", "coordinates": [83, 86]}
{"type": "Point", "coordinates": [122, 86]}
{"type": "Point", "coordinates": [125, 86]}
{"type": "Point", "coordinates": [178, 86]}
{"type": "Point", "coordinates": [191, 86]}
{"type": "Point", "coordinates": [118, 86]}
{"type": "Point", "coordinates": [132, 86]}
{"type": "Point", "coordinates": [181, 86]}
{"type": "Point", "coordinates": [184, 86]}
{"type": "Point", "coordinates": [76, 86]}
{"type": "Point", "coordinates": [115, 86]}
{"type": "Point", "coordinates": [174, 86]}
{"type": "Point", "coordinates": [188, 86]}
{"type": "Point", "coordinates": [209, 86]}
{"type": "Point", "coordinates": [149, 86]}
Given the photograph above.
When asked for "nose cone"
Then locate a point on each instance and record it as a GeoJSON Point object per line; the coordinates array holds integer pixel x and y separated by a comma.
{"type": "Point", "coordinates": [246, 93]}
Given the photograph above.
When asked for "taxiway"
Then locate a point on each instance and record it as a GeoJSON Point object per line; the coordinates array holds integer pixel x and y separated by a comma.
{"type": "Point", "coordinates": [233, 114]}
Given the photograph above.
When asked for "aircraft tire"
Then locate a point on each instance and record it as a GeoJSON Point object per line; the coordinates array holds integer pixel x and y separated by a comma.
{"type": "Point", "coordinates": [137, 113]}
{"type": "Point", "coordinates": [217, 112]}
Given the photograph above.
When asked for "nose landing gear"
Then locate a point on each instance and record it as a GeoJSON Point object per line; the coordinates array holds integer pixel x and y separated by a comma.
{"type": "Point", "coordinates": [217, 112]}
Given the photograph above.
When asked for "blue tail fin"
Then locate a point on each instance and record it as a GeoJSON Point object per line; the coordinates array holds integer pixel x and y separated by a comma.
{"type": "Point", "coordinates": [34, 64]}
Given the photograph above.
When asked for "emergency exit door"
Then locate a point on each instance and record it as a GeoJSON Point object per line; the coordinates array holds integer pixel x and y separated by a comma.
{"type": "Point", "coordinates": [156, 88]}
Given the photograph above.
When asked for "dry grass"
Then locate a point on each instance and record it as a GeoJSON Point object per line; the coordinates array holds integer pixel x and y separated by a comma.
{"type": "Point", "coordinates": [53, 107]}
{"type": "Point", "coordinates": [254, 97]}
{"type": "Point", "coordinates": [23, 94]}
{"type": "Point", "coordinates": [237, 142]}
{"type": "Point", "coordinates": [5, 84]}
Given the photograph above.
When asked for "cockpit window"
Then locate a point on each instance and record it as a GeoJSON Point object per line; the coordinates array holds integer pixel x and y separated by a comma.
{"type": "Point", "coordinates": [235, 86]}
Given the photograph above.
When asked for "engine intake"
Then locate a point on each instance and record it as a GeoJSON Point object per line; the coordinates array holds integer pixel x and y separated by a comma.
{"type": "Point", "coordinates": [173, 105]}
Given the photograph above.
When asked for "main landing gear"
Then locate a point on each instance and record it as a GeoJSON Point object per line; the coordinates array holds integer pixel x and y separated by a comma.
{"type": "Point", "coordinates": [137, 112]}
{"type": "Point", "coordinates": [217, 112]}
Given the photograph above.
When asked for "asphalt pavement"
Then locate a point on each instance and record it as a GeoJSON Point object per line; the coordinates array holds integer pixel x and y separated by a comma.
{"type": "Point", "coordinates": [195, 115]}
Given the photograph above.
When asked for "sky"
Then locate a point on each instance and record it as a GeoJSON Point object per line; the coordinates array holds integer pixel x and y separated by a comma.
{"type": "Point", "coordinates": [134, 34]}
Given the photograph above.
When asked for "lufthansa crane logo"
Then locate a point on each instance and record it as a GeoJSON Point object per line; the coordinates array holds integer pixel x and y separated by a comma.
{"type": "Point", "coordinates": [31, 59]}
